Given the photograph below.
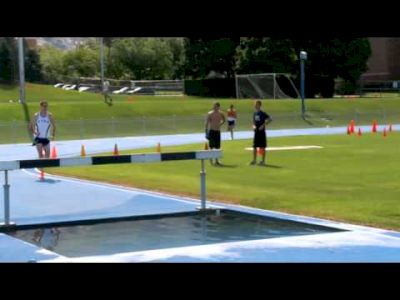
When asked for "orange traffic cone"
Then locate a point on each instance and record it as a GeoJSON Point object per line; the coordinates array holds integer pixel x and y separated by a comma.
{"type": "Point", "coordinates": [158, 149]}
{"type": "Point", "coordinates": [116, 150]}
{"type": "Point", "coordinates": [390, 128]}
{"type": "Point", "coordinates": [359, 132]}
{"type": "Point", "coordinates": [374, 125]}
{"type": "Point", "coordinates": [83, 152]}
{"type": "Point", "coordinates": [384, 132]}
{"type": "Point", "coordinates": [53, 152]}
{"type": "Point", "coordinates": [206, 146]}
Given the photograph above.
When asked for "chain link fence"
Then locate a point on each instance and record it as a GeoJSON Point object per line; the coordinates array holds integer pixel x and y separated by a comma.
{"type": "Point", "coordinates": [17, 131]}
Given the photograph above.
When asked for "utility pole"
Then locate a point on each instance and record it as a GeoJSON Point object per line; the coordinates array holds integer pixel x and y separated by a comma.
{"type": "Point", "coordinates": [303, 57]}
{"type": "Point", "coordinates": [21, 63]}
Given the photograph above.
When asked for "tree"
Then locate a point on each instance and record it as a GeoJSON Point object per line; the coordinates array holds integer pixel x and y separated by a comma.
{"type": "Point", "coordinates": [5, 62]}
{"type": "Point", "coordinates": [108, 41]}
{"type": "Point", "coordinates": [33, 67]}
{"type": "Point", "coordinates": [265, 55]}
{"type": "Point", "coordinates": [90, 43]}
{"type": "Point", "coordinates": [8, 57]}
{"type": "Point", "coordinates": [223, 55]}
{"type": "Point", "coordinates": [177, 49]}
{"type": "Point", "coordinates": [355, 56]}
{"type": "Point", "coordinates": [203, 56]}
{"type": "Point", "coordinates": [112, 67]}
{"type": "Point", "coordinates": [9, 61]}
{"type": "Point", "coordinates": [329, 59]}
{"type": "Point", "coordinates": [130, 58]}
{"type": "Point", "coordinates": [51, 59]}
{"type": "Point", "coordinates": [144, 58]}
{"type": "Point", "coordinates": [195, 65]}
{"type": "Point", "coordinates": [81, 62]}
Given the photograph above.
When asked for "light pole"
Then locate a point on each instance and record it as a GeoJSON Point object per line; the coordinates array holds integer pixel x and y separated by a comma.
{"type": "Point", "coordinates": [303, 57]}
{"type": "Point", "coordinates": [102, 61]}
{"type": "Point", "coordinates": [21, 63]}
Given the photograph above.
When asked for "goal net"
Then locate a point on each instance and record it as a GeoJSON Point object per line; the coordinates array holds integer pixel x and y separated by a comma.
{"type": "Point", "coordinates": [265, 86]}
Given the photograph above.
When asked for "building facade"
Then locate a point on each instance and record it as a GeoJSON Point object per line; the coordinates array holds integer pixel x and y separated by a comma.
{"type": "Point", "coordinates": [384, 63]}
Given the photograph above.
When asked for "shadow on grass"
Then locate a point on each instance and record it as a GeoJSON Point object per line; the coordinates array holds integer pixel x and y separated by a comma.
{"type": "Point", "coordinates": [226, 166]}
{"type": "Point", "coordinates": [7, 85]}
{"type": "Point", "coordinates": [270, 166]}
{"type": "Point", "coordinates": [307, 121]}
{"type": "Point", "coordinates": [27, 120]}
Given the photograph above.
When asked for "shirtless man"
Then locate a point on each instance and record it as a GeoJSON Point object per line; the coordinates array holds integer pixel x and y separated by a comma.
{"type": "Point", "coordinates": [215, 119]}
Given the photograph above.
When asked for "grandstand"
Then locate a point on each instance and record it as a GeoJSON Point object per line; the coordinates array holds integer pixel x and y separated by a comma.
{"type": "Point", "coordinates": [138, 87]}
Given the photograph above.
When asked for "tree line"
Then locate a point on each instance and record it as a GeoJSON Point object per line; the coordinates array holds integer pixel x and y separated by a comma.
{"type": "Point", "coordinates": [195, 58]}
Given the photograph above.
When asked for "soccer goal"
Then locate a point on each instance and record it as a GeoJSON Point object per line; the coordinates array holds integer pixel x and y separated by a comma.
{"type": "Point", "coordinates": [265, 86]}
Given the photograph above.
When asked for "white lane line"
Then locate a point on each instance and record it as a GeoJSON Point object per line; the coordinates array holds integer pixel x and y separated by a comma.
{"type": "Point", "coordinates": [287, 148]}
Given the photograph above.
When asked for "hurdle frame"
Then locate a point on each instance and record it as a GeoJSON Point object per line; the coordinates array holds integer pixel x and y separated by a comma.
{"type": "Point", "coordinates": [201, 155]}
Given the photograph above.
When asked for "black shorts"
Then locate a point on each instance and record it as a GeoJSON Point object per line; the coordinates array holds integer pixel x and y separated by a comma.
{"type": "Point", "coordinates": [260, 139]}
{"type": "Point", "coordinates": [38, 140]}
{"type": "Point", "coordinates": [215, 139]}
{"type": "Point", "coordinates": [231, 123]}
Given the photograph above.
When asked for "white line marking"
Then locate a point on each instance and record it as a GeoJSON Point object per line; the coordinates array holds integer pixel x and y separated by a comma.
{"type": "Point", "coordinates": [286, 148]}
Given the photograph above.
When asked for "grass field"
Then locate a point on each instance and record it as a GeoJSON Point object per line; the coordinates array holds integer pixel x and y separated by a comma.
{"type": "Point", "coordinates": [72, 105]}
{"type": "Point", "coordinates": [85, 115]}
{"type": "Point", "coordinates": [350, 179]}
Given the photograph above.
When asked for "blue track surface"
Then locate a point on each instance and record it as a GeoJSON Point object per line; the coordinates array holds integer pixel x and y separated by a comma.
{"type": "Point", "coordinates": [63, 199]}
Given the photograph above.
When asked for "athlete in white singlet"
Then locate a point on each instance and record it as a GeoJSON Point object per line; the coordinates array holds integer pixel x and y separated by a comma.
{"type": "Point", "coordinates": [40, 126]}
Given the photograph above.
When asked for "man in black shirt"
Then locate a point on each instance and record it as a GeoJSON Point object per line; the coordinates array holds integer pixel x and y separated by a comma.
{"type": "Point", "coordinates": [260, 120]}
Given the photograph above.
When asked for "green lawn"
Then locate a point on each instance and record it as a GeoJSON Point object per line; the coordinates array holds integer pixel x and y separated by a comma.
{"type": "Point", "coordinates": [85, 115]}
{"type": "Point", "coordinates": [351, 179]}
{"type": "Point", "coordinates": [72, 105]}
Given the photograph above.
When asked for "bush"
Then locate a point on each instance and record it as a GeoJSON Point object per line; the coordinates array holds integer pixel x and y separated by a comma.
{"type": "Point", "coordinates": [216, 87]}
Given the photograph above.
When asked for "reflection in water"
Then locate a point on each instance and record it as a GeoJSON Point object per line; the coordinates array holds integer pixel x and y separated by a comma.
{"type": "Point", "coordinates": [46, 238]}
{"type": "Point", "coordinates": [204, 227]}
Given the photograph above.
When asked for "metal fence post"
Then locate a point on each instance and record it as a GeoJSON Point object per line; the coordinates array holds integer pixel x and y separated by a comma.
{"type": "Point", "coordinates": [21, 64]}
{"type": "Point", "coordinates": [203, 186]}
{"type": "Point", "coordinates": [82, 128]}
{"type": "Point", "coordinates": [356, 116]}
{"type": "Point", "coordinates": [112, 126]}
{"type": "Point", "coordinates": [6, 199]}
{"type": "Point", "coordinates": [144, 125]}
{"type": "Point", "coordinates": [14, 131]}
{"type": "Point", "coordinates": [384, 116]}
